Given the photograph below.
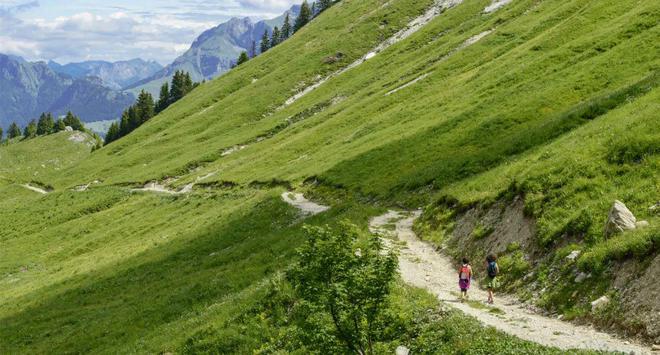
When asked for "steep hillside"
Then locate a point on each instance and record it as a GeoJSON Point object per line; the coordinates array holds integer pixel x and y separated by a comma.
{"type": "Point", "coordinates": [115, 75]}
{"type": "Point", "coordinates": [215, 50]}
{"type": "Point", "coordinates": [30, 89]}
{"type": "Point", "coordinates": [515, 125]}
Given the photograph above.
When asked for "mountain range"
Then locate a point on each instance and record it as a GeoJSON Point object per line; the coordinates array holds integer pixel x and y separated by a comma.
{"type": "Point", "coordinates": [115, 75]}
{"type": "Point", "coordinates": [30, 88]}
{"type": "Point", "coordinates": [215, 50]}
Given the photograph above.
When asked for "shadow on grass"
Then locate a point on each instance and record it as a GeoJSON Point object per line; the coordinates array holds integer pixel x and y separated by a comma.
{"type": "Point", "coordinates": [98, 311]}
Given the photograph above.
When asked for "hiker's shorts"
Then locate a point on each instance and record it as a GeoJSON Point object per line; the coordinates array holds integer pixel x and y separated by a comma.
{"type": "Point", "coordinates": [492, 283]}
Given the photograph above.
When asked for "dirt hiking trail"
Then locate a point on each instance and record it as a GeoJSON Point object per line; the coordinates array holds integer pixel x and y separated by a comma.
{"type": "Point", "coordinates": [422, 266]}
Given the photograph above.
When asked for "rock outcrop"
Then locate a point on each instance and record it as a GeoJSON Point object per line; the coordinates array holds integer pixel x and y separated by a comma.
{"type": "Point", "coordinates": [620, 219]}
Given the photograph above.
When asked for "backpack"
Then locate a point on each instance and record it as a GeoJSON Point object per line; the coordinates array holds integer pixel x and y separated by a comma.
{"type": "Point", "coordinates": [465, 272]}
{"type": "Point", "coordinates": [492, 269]}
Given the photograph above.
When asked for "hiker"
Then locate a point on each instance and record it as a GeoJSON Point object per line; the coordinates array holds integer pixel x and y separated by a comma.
{"type": "Point", "coordinates": [493, 270]}
{"type": "Point", "coordinates": [464, 278]}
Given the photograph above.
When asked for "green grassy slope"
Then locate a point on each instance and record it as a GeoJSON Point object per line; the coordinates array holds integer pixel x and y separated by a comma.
{"type": "Point", "coordinates": [41, 158]}
{"type": "Point", "coordinates": [558, 101]}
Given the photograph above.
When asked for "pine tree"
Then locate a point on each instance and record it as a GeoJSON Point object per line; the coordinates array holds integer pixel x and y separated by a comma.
{"type": "Point", "coordinates": [73, 121]}
{"type": "Point", "coordinates": [163, 99]}
{"type": "Point", "coordinates": [253, 49]}
{"type": "Point", "coordinates": [30, 130]}
{"type": "Point", "coordinates": [275, 38]}
{"type": "Point", "coordinates": [144, 107]}
{"type": "Point", "coordinates": [187, 83]}
{"type": "Point", "coordinates": [133, 119]}
{"type": "Point", "coordinates": [176, 92]}
{"type": "Point", "coordinates": [59, 126]}
{"type": "Point", "coordinates": [286, 28]}
{"type": "Point", "coordinates": [324, 5]}
{"type": "Point", "coordinates": [304, 17]}
{"type": "Point", "coordinates": [45, 124]}
{"type": "Point", "coordinates": [124, 125]}
{"type": "Point", "coordinates": [113, 133]}
{"type": "Point", "coordinates": [265, 42]}
{"type": "Point", "coordinates": [14, 131]}
{"type": "Point", "coordinates": [243, 58]}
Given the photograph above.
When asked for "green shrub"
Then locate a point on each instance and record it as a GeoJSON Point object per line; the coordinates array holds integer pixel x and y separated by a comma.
{"type": "Point", "coordinates": [637, 243]}
{"type": "Point", "coordinates": [480, 232]}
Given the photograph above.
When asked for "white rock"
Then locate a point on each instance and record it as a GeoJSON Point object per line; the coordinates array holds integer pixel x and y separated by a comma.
{"type": "Point", "coordinates": [402, 350]}
{"type": "Point", "coordinates": [656, 347]}
{"type": "Point", "coordinates": [619, 219]}
{"type": "Point", "coordinates": [581, 277]}
{"type": "Point", "coordinates": [599, 303]}
{"type": "Point", "coordinates": [68, 129]}
{"type": "Point", "coordinates": [573, 255]}
{"type": "Point", "coordinates": [642, 224]}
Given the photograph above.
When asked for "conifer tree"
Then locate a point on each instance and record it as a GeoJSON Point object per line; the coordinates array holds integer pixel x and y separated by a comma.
{"type": "Point", "coordinates": [304, 17]}
{"type": "Point", "coordinates": [73, 121]}
{"type": "Point", "coordinates": [323, 5]}
{"type": "Point", "coordinates": [144, 107]}
{"type": "Point", "coordinates": [59, 126]}
{"type": "Point", "coordinates": [275, 38]}
{"type": "Point", "coordinates": [14, 131]}
{"type": "Point", "coordinates": [187, 83]}
{"type": "Point", "coordinates": [164, 98]}
{"type": "Point", "coordinates": [133, 119]}
{"type": "Point", "coordinates": [45, 124]}
{"type": "Point", "coordinates": [30, 130]}
{"type": "Point", "coordinates": [1, 134]}
{"type": "Point", "coordinates": [124, 125]}
{"type": "Point", "coordinates": [176, 91]}
{"type": "Point", "coordinates": [113, 133]}
{"type": "Point", "coordinates": [243, 58]}
{"type": "Point", "coordinates": [265, 42]}
{"type": "Point", "coordinates": [286, 29]}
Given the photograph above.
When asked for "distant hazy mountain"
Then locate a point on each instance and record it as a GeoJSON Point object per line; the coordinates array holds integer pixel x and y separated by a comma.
{"type": "Point", "coordinates": [214, 51]}
{"type": "Point", "coordinates": [115, 75]}
{"type": "Point", "coordinates": [28, 89]}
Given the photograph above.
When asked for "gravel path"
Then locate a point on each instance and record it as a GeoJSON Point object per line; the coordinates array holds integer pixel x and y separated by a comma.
{"type": "Point", "coordinates": [35, 189]}
{"type": "Point", "coordinates": [299, 201]}
{"type": "Point", "coordinates": [422, 266]}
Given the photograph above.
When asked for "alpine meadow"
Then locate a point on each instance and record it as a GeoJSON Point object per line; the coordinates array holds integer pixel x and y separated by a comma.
{"type": "Point", "coordinates": [320, 196]}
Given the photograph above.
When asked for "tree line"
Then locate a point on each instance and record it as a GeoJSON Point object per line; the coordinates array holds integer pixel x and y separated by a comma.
{"type": "Point", "coordinates": [44, 126]}
{"type": "Point", "coordinates": [146, 107]}
{"type": "Point", "coordinates": [279, 35]}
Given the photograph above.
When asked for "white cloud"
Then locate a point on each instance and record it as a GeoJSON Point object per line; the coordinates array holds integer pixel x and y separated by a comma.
{"type": "Point", "coordinates": [126, 29]}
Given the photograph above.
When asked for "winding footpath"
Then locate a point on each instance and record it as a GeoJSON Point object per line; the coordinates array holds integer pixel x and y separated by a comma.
{"type": "Point", "coordinates": [422, 266]}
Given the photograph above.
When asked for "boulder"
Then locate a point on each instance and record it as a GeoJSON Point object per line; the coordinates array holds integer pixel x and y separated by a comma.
{"type": "Point", "coordinates": [642, 224]}
{"type": "Point", "coordinates": [619, 219]}
{"type": "Point", "coordinates": [581, 277]}
{"type": "Point", "coordinates": [600, 303]}
{"type": "Point", "coordinates": [402, 350]}
{"type": "Point", "coordinates": [68, 129]}
{"type": "Point", "coordinates": [573, 255]}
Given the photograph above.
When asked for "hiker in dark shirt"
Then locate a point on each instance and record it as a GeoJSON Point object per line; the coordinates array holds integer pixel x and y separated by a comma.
{"type": "Point", "coordinates": [492, 270]}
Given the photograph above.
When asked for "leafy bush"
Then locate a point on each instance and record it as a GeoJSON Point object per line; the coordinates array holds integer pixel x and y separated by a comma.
{"type": "Point", "coordinates": [340, 278]}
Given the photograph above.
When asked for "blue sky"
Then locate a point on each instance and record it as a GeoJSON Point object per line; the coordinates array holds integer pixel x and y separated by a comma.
{"type": "Point", "coordinates": [78, 30]}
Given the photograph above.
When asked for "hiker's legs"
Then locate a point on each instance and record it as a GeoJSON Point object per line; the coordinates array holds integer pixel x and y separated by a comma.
{"type": "Point", "coordinates": [490, 295]}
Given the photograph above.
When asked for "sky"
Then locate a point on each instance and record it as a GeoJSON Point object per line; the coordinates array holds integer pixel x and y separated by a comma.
{"type": "Point", "coordinates": [78, 30]}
